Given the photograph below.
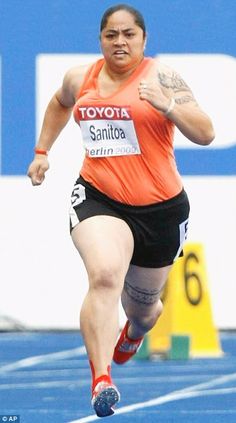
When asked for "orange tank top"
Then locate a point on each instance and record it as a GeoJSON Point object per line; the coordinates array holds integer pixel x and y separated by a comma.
{"type": "Point", "coordinates": [128, 143]}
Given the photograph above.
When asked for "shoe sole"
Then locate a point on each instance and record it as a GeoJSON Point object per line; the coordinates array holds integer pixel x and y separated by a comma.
{"type": "Point", "coordinates": [104, 402]}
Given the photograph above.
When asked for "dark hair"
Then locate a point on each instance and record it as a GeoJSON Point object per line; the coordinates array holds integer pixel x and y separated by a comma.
{"type": "Point", "coordinates": [139, 20]}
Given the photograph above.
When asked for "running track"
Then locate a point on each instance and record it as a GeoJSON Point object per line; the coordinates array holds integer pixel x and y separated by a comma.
{"type": "Point", "coordinates": [45, 378]}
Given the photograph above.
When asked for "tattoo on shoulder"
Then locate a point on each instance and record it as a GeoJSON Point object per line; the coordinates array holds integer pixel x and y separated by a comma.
{"type": "Point", "coordinates": [174, 81]}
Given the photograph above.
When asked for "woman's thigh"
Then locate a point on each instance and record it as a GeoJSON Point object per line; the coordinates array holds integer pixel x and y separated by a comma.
{"type": "Point", "coordinates": [105, 244]}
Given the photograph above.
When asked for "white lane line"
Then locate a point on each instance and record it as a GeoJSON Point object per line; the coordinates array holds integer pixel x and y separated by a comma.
{"type": "Point", "coordinates": [66, 382]}
{"type": "Point", "coordinates": [85, 373]}
{"type": "Point", "coordinates": [175, 396]}
{"type": "Point", "coordinates": [50, 373]}
{"type": "Point", "coordinates": [189, 392]}
{"type": "Point", "coordinates": [44, 385]}
{"type": "Point", "coordinates": [214, 382]}
{"type": "Point", "coordinates": [162, 400]}
{"type": "Point", "coordinates": [45, 358]}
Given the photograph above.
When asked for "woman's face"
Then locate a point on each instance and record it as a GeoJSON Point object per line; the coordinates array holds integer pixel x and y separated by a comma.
{"type": "Point", "coordinates": [122, 41]}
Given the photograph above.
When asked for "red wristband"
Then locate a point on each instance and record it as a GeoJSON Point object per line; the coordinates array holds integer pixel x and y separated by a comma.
{"type": "Point", "coordinates": [39, 151]}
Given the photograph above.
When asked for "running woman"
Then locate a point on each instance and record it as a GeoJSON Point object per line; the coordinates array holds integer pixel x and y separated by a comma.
{"type": "Point", "coordinates": [129, 210]}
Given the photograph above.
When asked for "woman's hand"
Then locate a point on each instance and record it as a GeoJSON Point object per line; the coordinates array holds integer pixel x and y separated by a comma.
{"type": "Point", "coordinates": [37, 169]}
{"type": "Point", "coordinates": [152, 92]}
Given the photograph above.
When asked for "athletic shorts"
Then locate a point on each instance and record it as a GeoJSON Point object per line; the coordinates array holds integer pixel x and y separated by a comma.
{"type": "Point", "coordinates": [159, 230]}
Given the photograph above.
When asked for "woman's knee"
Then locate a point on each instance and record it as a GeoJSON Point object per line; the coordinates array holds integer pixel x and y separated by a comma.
{"type": "Point", "coordinates": [105, 278]}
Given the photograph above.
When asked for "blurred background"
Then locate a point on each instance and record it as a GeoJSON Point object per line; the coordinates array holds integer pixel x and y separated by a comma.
{"type": "Point", "coordinates": [42, 279]}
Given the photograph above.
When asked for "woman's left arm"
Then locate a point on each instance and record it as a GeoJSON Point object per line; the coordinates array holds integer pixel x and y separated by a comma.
{"type": "Point", "coordinates": [170, 92]}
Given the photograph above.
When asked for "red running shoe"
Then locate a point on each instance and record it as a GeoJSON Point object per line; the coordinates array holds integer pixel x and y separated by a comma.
{"type": "Point", "coordinates": [126, 348]}
{"type": "Point", "coordinates": [105, 396]}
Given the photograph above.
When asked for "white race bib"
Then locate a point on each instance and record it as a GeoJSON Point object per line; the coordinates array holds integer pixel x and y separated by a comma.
{"type": "Point", "coordinates": [108, 131]}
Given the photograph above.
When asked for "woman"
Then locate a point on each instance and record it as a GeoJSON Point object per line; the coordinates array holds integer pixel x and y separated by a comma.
{"type": "Point", "coordinates": [129, 211]}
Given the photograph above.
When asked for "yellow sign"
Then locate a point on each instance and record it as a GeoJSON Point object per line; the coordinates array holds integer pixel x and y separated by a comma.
{"type": "Point", "coordinates": [187, 308]}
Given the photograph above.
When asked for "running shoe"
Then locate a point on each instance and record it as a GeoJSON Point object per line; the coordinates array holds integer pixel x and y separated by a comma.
{"type": "Point", "coordinates": [105, 396]}
{"type": "Point", "coordinates": [126, 348]}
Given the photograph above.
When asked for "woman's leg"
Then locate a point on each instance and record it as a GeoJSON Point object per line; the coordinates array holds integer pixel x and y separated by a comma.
{"type": "Point", "coordinates": [141, 298]}
{"type": "Point", "coordinates": [105, 244]}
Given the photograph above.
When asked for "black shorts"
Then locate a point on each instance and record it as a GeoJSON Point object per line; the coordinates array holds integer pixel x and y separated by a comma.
{"type": "Point", "coordinates": [159, 229]}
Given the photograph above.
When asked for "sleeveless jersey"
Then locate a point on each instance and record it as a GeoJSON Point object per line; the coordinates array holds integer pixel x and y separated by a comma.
{"type": "Point", "coordinates": [128, 143]}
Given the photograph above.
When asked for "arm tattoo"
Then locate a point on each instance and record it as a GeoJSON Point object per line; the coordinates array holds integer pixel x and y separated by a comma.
{"type": "Point", "coordinates": [184, 99]}
{"type": "Point", "coordinates": [173, 81]}
{"type": "Point", "coordinates": [142, 296]}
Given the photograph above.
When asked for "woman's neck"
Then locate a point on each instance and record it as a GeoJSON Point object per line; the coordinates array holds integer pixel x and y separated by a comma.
{"type": "Point", "coordinates": [120, 74]}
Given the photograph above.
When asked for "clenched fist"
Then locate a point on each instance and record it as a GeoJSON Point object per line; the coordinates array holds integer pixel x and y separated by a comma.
{"type": "Point", "coordinates": [37, 169]}
{"type": "Point", "coordinates": [152, 92]}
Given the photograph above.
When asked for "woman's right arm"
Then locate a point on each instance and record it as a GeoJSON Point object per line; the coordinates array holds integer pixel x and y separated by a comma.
{"type": "Point", "coordinates": [57, 115]}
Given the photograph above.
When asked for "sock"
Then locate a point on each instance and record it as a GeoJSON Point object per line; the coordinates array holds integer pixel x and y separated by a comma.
{"type": "Point", "coordinates": [102, 378]}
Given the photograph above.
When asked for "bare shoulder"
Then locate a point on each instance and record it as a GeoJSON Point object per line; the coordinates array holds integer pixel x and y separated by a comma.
{"type": "Point", "coordinates": [162, 67]}
{"type": "Point", "coordinates": [170, 78]}
{"type": "Point", "coordinates": [72, 82]}
{"type": "Point", "coordinates": [75, 75]}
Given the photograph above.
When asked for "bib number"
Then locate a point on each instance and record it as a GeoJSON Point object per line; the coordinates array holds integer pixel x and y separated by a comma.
{"type": "Point", "coordinates": [108, 131]}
